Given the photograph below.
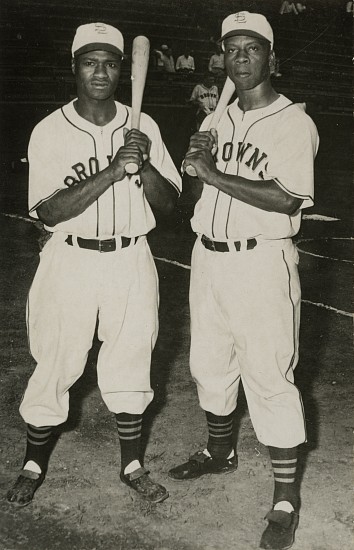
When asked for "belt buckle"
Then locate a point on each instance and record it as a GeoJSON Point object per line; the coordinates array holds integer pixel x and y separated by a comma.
{"type": "Point", "coordinates": [108, 245]}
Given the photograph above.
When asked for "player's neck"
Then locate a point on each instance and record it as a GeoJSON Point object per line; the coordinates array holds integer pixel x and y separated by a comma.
{"type": "Point", "coordinates": [257, 98]}
{"type": "Point", "coordinates": [98, 112]}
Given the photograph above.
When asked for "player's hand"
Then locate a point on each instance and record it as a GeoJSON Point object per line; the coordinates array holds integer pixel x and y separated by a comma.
{"type": "Point", "coordinates": [127, 154]}
{"type": "Point", "coordinates": [204, 140]}
{"type": "Point", "coordinates": [202, 162]}
{"type": "Point", "coordinates": [141, 140]}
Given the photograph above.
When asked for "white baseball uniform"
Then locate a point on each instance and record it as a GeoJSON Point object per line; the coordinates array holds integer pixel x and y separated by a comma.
{"type": "Point", "coordinates": [74, 286]}
{"type": "Point", "coordinates": [245, 303]}
{"type": "Point", "coordinates": [207, 98]}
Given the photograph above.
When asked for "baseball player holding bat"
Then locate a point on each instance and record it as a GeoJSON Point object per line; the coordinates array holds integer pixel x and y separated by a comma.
{"type": "Point", "coordinates": [244, 291]}
{"type": "Point", "coordinates": [97, 266]}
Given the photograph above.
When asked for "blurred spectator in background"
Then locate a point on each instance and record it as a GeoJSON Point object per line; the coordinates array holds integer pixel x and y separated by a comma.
{"type": "Point", "coordinates": [164, 60]}
{"type": "Point", "coordinates": [217, 67]}
{"type": "Point", "coordinates": [168, 61]}
{"type": "Point", "coordinates": [158, 57]}
{"type": "Point", "coordinates": [205, 97]}
{"type": "Point", "coordinates": [185, 63]}
{"type": "Point", "coordinates": [288, 8]}
{"type": "Point", "coordinates": [347, 17]}
{"type": "Point", "coordinates": [276, 72]}
{"type": "Point", "coordinates": [216, 62]}
{"type": "Point", "coordinates": [301, 7]}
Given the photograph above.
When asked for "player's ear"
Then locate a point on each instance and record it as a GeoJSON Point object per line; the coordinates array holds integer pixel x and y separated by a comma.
{"type": "Point", "coordinates": [271, 61]}
{"type": "Point", "coordinates": [73, 66]}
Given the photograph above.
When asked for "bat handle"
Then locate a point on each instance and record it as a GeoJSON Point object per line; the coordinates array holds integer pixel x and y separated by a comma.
{"type": "Point", "coordinates": [190, 170]}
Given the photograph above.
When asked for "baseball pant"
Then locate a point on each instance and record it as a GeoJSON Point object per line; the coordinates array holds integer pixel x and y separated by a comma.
{"type": "Point", "coordinates": [74, 289]}
{"type": "Point", "coordinates": [245, 313]}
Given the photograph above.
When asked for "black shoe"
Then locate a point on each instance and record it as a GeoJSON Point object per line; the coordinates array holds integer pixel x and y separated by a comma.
{"type": "Point", "coordinates": [144, 486]}
{"type": "Point", "coordinates": [24, 488]}
{"type": "Point", "coordinates": [200, 464]}
{"type": "Point", "coordinates": [280, 533]}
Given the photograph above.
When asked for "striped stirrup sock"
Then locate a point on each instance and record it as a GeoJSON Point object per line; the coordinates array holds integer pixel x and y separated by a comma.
{"type": "Point", "coordinates": [220, 434]}
{"type": "Point", "coordinates": [39, 445]}
{"type": "Point", "coordinates": [129, 431]}
{"type": "Point", "coordinates": [284, 463]}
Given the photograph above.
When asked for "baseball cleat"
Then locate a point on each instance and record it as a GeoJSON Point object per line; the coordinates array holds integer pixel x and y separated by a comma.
{"type": "Point", "coordinates": [24, 488]}
{"type": "Point", "coordinates": [200, 464]}
{"type": "Point", "coordinates": [144, 486]}
{"type": "Point", "coordinates": [280, 533]}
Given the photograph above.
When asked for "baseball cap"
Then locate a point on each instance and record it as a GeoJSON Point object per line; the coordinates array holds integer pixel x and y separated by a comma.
{"type": "Point", "coordinates": [164, 47]}
{"type": "Point", "coordinates": [248, 24]}
{"type": "Point", "coordinates": [97, 36]}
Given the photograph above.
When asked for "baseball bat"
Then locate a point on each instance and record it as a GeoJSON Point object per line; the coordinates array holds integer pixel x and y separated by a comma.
{"type": "Point", "coordinates": [225, 96]}
{"type": "Point", "coordinates": [140, 61]}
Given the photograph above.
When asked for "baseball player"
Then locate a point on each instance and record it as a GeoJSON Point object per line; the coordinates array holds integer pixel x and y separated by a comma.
{"type": "Point", "coordinates": [205, 96]}
{"type": "Point", "coordinates": [97, 265]}
{"type": "Point", "coordinates": [245, 292]}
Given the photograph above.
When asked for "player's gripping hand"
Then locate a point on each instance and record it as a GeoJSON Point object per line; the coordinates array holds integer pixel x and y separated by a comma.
{"type": "Point", "coordinates": [141, 140]}
{"type": "Point", "coordinates": [201, 141]}
{"type": "Point", "coordinates": [203, 163]}
{"type": "Point", "coordinates": [204, 140]}
{"type": "Point", "coordinates": [127, 154]}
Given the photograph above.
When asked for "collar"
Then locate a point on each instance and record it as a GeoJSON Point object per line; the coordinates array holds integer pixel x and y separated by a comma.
{"type": "Point", "coordinates": [72, 115]}
{"type": "Point", "coordinates": [255, 114]}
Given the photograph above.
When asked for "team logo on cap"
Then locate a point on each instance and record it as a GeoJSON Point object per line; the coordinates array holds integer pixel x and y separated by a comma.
{"type": "Point", "coordinates": [100, 28]}
{"type": "Point", "coordinates": [240, 17]}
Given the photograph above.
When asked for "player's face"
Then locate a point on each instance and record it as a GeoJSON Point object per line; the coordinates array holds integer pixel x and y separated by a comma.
{"type": "Point", "coordinates": [247, 61]}
{"type": "Point", "coordinates": [97, 74]}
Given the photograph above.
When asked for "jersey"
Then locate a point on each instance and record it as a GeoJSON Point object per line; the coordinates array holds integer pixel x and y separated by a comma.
{"type": "Point", "coordinates": [278, 142]}
{"type": "Point", "coordinates": [207, 98]}
{"type": "Point", "coordinates": [65, 149]}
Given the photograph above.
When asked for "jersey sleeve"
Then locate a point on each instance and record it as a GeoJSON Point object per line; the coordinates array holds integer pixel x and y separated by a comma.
{"type": "Point", "coordinates": [159, 155]}
{"type": "Point", "coordinates": [292, 164]}
{"type": "Point", "coordinates": [195, 93]}
{"type": "Point", "coordinates": [205, 124]}
{"type": "Point", "coordinates": [44, 170]}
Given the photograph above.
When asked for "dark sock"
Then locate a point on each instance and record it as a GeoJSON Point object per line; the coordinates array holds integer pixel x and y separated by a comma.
{"type": "Point", "coordinates": [284, 462]}
{"type": "Point", "coordinates": [39, 445]}
{"type": "Point", "coordinates": [129, 431]}
{"type": "Point", "coordinates": [220, 435]}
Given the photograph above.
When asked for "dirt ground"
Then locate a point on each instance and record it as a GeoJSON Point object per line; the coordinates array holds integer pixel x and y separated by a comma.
{"type": "Point", "coordinates": [82, 505]}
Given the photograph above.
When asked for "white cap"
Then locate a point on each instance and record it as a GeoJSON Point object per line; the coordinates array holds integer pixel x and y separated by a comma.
{"type": "Point", "coordinates": [97, 36]}
{"type": "Point", "coordinates": [164, 47]}
{"type": "Point", "coordinates": [248, 24]}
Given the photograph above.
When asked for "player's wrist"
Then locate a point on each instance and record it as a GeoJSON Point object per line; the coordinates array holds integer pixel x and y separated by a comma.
{"type": "Point", "coordinates": [113, 174]}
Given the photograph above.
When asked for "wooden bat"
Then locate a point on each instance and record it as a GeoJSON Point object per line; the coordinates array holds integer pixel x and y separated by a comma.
{"type": "Point", "coordinates": [140, 61]}
{"type": "Point", "coordinates": [225, 96]}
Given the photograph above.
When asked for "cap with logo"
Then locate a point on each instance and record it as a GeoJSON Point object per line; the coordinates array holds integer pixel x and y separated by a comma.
{"type": "Point", "coordinates": [247, 24]}
{"type": "Point", "coordinates": [97, 36]}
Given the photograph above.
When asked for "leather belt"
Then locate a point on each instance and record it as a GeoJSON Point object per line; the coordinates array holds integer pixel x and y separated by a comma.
{"type": "Point", "coordinates": [221, 246]}
{"type": "Point", "coordinates": [106, 245]}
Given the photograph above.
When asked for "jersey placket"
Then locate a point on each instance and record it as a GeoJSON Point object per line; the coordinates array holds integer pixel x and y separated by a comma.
{"type": "Point", "coordinates": [106, 206]}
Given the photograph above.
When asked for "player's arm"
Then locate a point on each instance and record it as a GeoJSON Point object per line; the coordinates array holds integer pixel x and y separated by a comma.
{"type": "Point", "coordinates": [73, 201]}
{"type": "Point", "coordinates": [264, 194]}
{"type": "Point", "coordinates": [161, 195]}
